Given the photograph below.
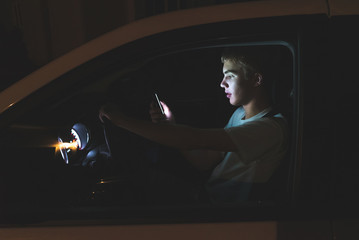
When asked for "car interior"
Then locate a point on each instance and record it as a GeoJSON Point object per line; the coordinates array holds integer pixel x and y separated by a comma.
{"type": "Point", "coordinates": [61, 154]}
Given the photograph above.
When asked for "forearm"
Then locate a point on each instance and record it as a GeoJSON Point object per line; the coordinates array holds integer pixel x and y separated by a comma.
{"type": "Point", "coordinates": [173, 135]}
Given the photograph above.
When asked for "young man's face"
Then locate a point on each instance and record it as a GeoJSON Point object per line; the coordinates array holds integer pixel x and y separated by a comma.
{"type": "Point", "coordinates": [239, 91]}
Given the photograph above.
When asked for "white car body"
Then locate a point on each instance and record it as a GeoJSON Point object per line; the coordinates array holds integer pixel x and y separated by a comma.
{"type": "Point", "coordinates": [150, 26]}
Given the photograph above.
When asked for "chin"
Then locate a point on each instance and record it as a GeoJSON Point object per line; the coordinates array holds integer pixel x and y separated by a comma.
{"type": "Point", "coordinates": [234, 103]}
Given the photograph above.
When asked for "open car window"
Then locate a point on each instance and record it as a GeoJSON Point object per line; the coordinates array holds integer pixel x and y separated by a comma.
{"type": "Point", "coordinates": [59, 154]}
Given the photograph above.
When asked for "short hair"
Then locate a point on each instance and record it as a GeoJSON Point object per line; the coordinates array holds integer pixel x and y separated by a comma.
{"type": "Point", "coordinates": [247, 59]}
{"type": "Point", "coordinates": [253, 59]}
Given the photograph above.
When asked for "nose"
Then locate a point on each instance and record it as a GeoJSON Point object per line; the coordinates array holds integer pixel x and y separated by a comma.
{"type": "Point", "coordinates": [223, 83]}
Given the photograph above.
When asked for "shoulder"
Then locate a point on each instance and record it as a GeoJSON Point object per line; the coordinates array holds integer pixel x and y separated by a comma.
{"type": "Point", "coordinates": [275, 125]}
{"type": "Point", "coordinates": [267, 126]}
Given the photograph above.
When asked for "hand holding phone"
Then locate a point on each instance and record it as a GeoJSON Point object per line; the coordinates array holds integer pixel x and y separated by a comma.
{"type": "Point", "coordinates": [159, 103]}
{"type": "Point", "coordinates": [160, 112]}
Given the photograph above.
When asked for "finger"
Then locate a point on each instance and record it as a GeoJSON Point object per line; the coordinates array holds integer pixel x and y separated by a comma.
{"type": "Point", "coordinates": [100, 115]}
{"type": "Point", "coordinates": [158, 118]}
{"type": "Point", "coordinates": [154, 109]}
{"type": "Point", "coordinates": [153, 105]}
{"type": "Point", "coordinates": [155, 112]}
{"type": "Point", "coordinates": [103, 113]}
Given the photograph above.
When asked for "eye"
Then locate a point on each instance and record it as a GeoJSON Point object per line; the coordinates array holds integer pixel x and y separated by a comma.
{"type": "Point", "coordinates": [231, 76]}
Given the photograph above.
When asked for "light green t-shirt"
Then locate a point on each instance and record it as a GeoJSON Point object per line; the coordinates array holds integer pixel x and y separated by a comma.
{"type": "Point", "coordinates": [261, 143]}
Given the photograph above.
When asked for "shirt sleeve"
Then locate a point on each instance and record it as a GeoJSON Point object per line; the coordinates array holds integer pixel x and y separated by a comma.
{"type": "Point", "coordinates": [257, 139]}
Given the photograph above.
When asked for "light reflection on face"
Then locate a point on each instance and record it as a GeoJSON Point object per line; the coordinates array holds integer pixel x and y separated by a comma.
{"type": "Point", "coordinates": [238, 89]}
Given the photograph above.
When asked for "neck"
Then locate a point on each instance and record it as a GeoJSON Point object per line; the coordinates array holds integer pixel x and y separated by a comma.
{"type": "Point", "coordinates": [256, 106]}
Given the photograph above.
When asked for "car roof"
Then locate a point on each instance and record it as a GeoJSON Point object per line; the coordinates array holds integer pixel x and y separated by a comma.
{"type": "Point", "coordinates": [162, 23]}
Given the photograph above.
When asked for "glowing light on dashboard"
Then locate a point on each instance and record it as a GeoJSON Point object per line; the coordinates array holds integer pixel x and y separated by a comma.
{"type": "Point", "coordinates": [77, 138]}
{"type": "Point", "coordinates": [68, 145]}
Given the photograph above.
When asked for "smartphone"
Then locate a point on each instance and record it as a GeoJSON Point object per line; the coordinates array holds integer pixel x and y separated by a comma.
{"type": "Point", "coordinates": [159, 103]}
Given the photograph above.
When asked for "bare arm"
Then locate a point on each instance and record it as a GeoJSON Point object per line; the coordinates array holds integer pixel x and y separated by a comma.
{"type": "Point", "coordinates": [207, 143]}
{"type": "Point", "coordinates": [174, 135]}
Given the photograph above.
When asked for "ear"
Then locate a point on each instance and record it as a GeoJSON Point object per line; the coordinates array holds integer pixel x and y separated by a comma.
{"type": "Point", "coordinates": [258, 79]}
